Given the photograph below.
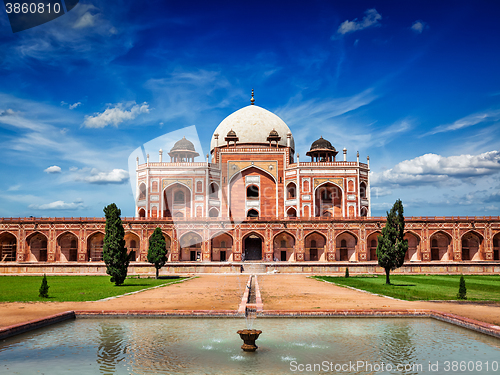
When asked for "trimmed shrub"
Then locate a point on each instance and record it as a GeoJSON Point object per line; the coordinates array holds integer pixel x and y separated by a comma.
{"type": "Point", "coordinates": [44, 288]}
{"type": "Point", "coordinates": [462, 290]}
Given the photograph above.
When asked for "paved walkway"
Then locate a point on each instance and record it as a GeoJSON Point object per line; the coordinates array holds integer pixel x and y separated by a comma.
{"type": "Point", "coordinates": [223, 292]}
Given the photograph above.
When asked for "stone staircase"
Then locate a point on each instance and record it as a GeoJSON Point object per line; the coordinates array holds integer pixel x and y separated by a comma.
{"type": "Point", "coordinates": [254, 268]}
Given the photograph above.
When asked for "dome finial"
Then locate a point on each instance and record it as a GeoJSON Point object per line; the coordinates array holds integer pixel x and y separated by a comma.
{"type": "Point", "coordinates": [252, 100]}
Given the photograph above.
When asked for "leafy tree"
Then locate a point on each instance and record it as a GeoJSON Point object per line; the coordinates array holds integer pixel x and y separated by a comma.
{"type": "Point", "coordinates": [462, 290]}
{"type": "Point", "coordinates": [392, 247]}
{"type": "Point", "coordinates": [44, 288]}
{"type": "Point", "coordinates": [114, 252]}
{"type": "Point", "coordinates": [157, 252]}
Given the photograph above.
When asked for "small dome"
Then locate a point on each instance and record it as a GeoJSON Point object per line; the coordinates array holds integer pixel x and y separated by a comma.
{"type": "Point", "coordinates": [274, 133]}
{"type": "Point", "coordinates": [322, 144]}
{"type": "Point", "coordinates": [183, 145]}
{"type": "Point", "coordinates": [231, 133]}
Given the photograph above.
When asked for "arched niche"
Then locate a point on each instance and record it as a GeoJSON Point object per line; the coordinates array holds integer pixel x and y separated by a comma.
{"type": "Point", "coordinates": [190, 247]}
{"type": "Point", "coordinates": [95, 243]}
{"type": "Point", "coordinates": [328, 200]}
{"type": "Point", "coordinates": [413, 252]}
{"type": "Point", "coordinates": [8, 247]}
{"type": "Point", "coordinates": [222, 248]}
{"type": "Point", "coordinates": [177, 200]}
{"type": "Point", "coordinates": [472, 244]}
{"type": "Point", "coordinates": [132, 243]}
{"type": "Point", "coordinates": [283, 247]}
{"type": "Point", "coordinates": [315, 247]}
{"type": "Point", "coordinates": [67, 244]}
{"type": "Point", "coordinates": [346, 244]}
{"type": "Point", "coordinates": [371, 245]}
{"type": "Point", "coordinates": [441, 246]}
{"type": "Point", "coordinates": [37, 246]}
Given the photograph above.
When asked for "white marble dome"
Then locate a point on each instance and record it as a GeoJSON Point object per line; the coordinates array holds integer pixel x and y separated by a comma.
{"type": "Point", "coordinates": [252, 124]}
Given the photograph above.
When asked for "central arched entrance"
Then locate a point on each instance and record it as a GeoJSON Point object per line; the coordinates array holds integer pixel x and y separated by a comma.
{"type": "Point", "coordinates": [253, 247]}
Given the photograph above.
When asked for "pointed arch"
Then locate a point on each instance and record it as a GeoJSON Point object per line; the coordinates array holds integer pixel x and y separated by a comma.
{"type": "Point", "coordinates": [132, 243]}
{"type": "Point", "coordinates": [441, 246]}
{"type": "Point", "coordinates": [8, 247]}
{"type": "Point", "coordinates": [95, 243]}
{"type": "Point", "coordinates": [67, 247]}
{"type": "Point", "coordinates": [315, 246]}
{"type": "Point", "coordinates": [177, 198]}
{"type": "Point", "coordinates": [222, 247]}
{"type": "Point", "coordinates": [472, 245]}
{"type": "Point", "coordinates": [328, 197]}
{"type": "Point", "coordinates": [413, 252]}
{"type": "Point", "coordinates": [496, 246]}
{"type": "Point", "coordinates": [37, 246]}
{"type": "Point", "coordinates": [283, 246]}
{"type": "Point", "coordinates": [371, 245]}
{"type": "Point", "coordinates": [346, 244]}
{"type": "Point", "coordinates": [253, 243]}
{"type": "Point", "coordinates": [190, 244]}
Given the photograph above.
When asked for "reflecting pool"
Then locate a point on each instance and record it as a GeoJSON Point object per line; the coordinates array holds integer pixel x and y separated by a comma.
{"type": "Point", "coordinates": [286, 345]}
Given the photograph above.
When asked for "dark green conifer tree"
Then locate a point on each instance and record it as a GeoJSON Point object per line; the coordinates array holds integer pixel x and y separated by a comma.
{"type": "Point", "coordinates": [114, 252]}
{"type": "Point", "coordinates": [44, 288]}
{"type": "Point", "coordinates": [392, 247]}
{"type": "Point", "coordinates": [462, 290]}
{"type": "Point", "coordinates": [157, 252]}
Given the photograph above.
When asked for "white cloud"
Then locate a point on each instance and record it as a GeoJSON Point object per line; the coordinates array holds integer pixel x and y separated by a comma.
{"type": "Point", "coordinates": [85, 20]}
{"type": "Point", "coordinates": [371, 18]}
{"type": "Point", "coordinates": [14, 188]}
{"type": "Point", "coordinates": [115, 115]}
{"type": "Point", "coordinates": [73, 106]}
{"type": "Point", "coordinates": [116, 176]}
{"type": "Point", "coordinates": [465, 122]}
{"type": "Point", "coordinates": [53, 169]}
{"type": "Point", "coordinates": [58, 205]}
{"type": "Point", "coordinates": [434, 169]}
{"type": "Point", "coordinates": [419, 26]}
{"type": "Point", "coordinates": [7, 112]}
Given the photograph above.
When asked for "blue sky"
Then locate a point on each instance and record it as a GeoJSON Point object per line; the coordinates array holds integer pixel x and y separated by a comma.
{"type": "Point", "coordinates": [414, 85]}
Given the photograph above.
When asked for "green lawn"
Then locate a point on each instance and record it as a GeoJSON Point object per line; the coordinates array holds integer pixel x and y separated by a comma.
{"type": "Point", "coordinates": [424, 287]}
{"type": "Point", "coordinates": [71, 288]}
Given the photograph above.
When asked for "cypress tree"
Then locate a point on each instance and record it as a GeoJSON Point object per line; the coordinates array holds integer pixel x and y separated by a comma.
{"type": "Point", "coordinates": [44, 288]}
{"type": "Point", "coordinates": [346, 272]}
{"type": "Point", "coordinates": [157, 252]}
{"type": "Point", "coordinates": [392, 246]}
{"type": "Point", "coordinates": [462, 290]}
{"type": "Point", "coordinates": [114, 252]}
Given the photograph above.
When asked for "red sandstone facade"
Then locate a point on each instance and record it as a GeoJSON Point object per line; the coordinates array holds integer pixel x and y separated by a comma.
{"type": "Point", "coordinates": [253, 201]}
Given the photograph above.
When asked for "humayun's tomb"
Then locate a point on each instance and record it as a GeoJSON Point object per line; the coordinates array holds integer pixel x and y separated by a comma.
{"type": "Point", "coordinates": [253, 204]}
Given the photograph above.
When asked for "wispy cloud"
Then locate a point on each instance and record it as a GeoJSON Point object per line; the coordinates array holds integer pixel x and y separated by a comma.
{"type": "Point", "coordinates": [86, 33]}
{"type": "Point", "coordinates": [58, 205]}
{"type": "Point", "coordinates": [372, 18]}
{"type": "Point", "coordinates": [116, 115]}
{"type": "Point", "coordinates": [467, 121]}
{"type": "Point", "coordinates": [432, 169]}
{"type": "Point", "coordinates": [94, 176]}
{"type": "Point", "coordinates": [419, 26]}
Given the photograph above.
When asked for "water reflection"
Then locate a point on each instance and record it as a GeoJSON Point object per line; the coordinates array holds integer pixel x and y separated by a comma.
{"type": "Point", "coordinates": [112, 347]}
{"type": "Point", "coordinates": [397, 347]}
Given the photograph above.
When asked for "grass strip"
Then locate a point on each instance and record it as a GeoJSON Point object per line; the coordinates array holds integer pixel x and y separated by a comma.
{"type": "Point", "coordinates": [73, 288]}
{"type": "Point", "coordinates": [424, 287]}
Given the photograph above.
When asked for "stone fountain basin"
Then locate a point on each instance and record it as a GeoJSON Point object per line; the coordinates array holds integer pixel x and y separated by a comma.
{"type": "Point", "coordinates": [249, 336]}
